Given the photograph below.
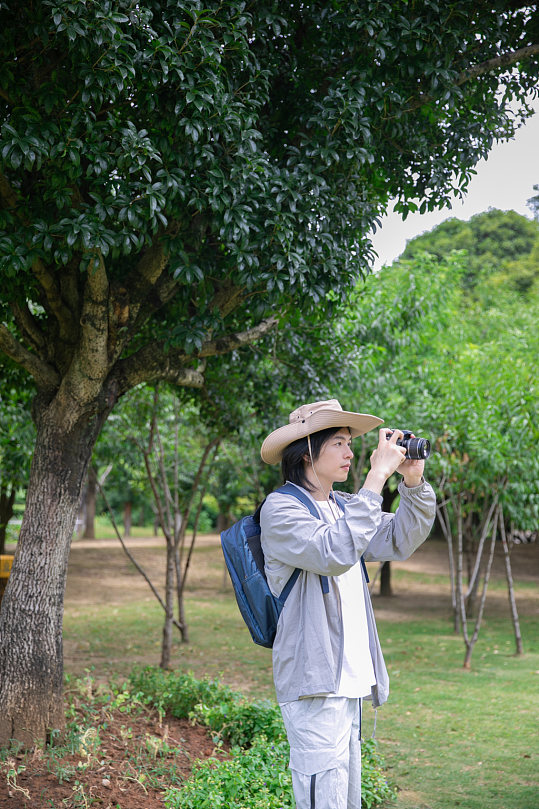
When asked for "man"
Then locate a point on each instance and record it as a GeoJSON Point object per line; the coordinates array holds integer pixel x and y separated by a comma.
{"type": "Point", "coordinates": [326, 654]}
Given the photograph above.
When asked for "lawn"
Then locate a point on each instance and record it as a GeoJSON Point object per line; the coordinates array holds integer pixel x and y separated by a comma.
{"type": "Point", "coordinates": [450, 737]}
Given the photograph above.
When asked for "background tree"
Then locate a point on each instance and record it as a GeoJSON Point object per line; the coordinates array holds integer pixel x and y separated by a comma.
{"type": "Point", "coordinates": [172, 177]}
{"type": "Point", "coordinates": [473, 367]}
{"type": "Point", "coordinates": [533, 203]}
{"type": "Point", "coordinates": [502, 248]}
{"type": "Point", "coordinates": [17, 435]}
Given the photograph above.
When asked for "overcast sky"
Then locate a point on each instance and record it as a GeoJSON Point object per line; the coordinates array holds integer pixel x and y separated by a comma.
{"type": "Point", "coordinates": [504, 181]}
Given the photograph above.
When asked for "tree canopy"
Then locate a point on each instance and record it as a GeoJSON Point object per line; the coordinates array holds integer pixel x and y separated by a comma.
{"type": "Point", "coordinates": [208, 162]}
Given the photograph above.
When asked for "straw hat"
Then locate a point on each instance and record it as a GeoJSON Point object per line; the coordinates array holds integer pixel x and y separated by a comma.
{"type": "Point", "coordinates": [310, 418]}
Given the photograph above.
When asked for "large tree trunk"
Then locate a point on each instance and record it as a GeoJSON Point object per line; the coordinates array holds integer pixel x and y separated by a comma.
{"type": "Point", "coordinates": [31, 700]}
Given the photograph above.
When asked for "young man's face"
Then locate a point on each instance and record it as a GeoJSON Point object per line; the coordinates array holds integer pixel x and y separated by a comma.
{"type": "Point", "coordinates": [333, 463]}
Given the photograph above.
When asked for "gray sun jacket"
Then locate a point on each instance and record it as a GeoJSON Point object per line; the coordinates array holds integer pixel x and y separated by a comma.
{"type": "Point", "coordinates": [308, 647]}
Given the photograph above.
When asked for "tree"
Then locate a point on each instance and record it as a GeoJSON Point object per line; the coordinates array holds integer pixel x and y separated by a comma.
{"type": "Point", "coordinates": [16, 439]}
{"type": "Point", "coordinates": [473, 369]}
{"type": "Point", "coordinates": [533, 203]}
{"type": "Point", "coordinates": [499, 247]}
{"type": "Point", "coordinates": [174, 179]}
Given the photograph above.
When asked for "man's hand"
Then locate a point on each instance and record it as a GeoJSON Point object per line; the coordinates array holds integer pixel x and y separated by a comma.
{"type": "Point", "coordinates": [387, 458]}
{"type": "Point", "coordinates": [412, 472]}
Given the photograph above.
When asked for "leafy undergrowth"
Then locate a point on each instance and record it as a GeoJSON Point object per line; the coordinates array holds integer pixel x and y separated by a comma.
{"type": "Point", "coordinates": [256, 774]}
{"type": "Point", "coordinates": [168, 741]}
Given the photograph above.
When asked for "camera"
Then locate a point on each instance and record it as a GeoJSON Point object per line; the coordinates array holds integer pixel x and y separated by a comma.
{"type": "Point", "coordinates": [417, 449]}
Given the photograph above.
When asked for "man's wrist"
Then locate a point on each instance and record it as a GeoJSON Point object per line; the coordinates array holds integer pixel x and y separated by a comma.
{"type": "Point", "coordinates": [411, 482]}
{"type": "Point", "coordinates": [374, 482]}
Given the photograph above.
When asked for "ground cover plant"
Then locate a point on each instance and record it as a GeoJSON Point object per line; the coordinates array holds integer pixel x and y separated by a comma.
{"type": "Point", "coordinates": [256, 775]}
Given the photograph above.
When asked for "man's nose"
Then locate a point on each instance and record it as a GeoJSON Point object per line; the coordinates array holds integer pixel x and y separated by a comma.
{"type": "Point", "coordinates": [349, 453]}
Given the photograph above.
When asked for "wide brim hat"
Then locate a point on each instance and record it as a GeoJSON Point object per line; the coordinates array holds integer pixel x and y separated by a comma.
{"type": "Point", "coordinates": [310, 418]}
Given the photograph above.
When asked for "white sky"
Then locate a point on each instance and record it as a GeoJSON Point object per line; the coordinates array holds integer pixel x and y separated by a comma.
{"type": "Point", "coordinates": [504, 181]}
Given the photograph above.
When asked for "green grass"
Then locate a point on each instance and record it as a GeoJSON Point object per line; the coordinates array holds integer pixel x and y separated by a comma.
{"type": "Point", "coordinates": [103, 529]}
{"type": "Point", "coordinates": [453, 737]}
{"type": "Point", "coordinates": [450, 737]}
{"type": "Point", "coordinates": [219, 646]}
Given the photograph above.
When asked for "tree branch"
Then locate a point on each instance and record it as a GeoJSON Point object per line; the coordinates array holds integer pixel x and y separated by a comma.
{"type": "Point", "coordinates": [45, 376]}
{"type": "Point", "coordinates": [94, 318]}
{"type": "Point", "coordinates": [474, 71]}
{"type": "Point", "coordinates": [230, 342]}
{"type": "Point", "coordinates": [45, 278]}
{"type": "Point", "coordinates": [90, 364]}
{"type": "Point", "coordinates": [153, 364]}
{"type": "Point", "coordinates": [503, 60]}
{"type": "Point", "coordinates": [131, 557]}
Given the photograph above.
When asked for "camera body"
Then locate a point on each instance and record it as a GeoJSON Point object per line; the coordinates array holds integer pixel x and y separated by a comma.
{"type": "Point", "coordinates": [417, 449]}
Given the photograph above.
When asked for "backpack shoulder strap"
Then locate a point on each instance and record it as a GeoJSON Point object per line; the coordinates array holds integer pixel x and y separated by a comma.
{"type": "Point", "coordinates": [290, 488]}
{"type": "Point", "coordinates": [295, 491]}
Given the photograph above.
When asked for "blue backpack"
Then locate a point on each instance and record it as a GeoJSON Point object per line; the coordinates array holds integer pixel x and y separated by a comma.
{"type": "Point", "coordinates": [245, 562]}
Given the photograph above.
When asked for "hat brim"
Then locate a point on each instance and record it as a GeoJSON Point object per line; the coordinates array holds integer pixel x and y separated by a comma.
{"type": "Point", "coordinates": [358, 423]}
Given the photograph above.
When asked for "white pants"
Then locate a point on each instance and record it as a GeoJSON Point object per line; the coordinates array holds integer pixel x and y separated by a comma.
{"type": "Point", "coordinates": [325, 751]}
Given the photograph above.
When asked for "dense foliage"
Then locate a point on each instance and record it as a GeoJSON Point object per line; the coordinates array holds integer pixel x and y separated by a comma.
{"type": "Point", "coordinates": [254, 143]}
{"type": "Point", "coordinates": [257, 776]}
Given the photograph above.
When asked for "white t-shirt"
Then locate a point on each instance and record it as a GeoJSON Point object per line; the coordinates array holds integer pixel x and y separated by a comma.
{"type": "Point", "coordinates": [357, 676]}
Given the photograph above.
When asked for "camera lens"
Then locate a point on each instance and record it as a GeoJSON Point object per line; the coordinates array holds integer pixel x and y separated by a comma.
{"type": "Point", "coordinates": [417, 449]}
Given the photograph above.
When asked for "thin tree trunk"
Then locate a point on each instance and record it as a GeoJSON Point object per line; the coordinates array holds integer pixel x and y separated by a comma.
{"type": "Point", "coordinates": [388, 497]}
{"type": "Point", "coordinates": [128, 515]}
{"type": "Point", "coordinates": [385, 580]}
{"type": "Point", "coordinates": [473, 577]}
{"type": "Point", "coordinates": [358, 464]}
{"type": "Point", "coordinates": [445, 523]}
{"type": "Point", "coordinates": [471, 642]}
{"type": "Point", "coordinates": [461, 604]}
{"type": "Point", "coordinates": [510, 587]}
{"type": "Point", "coordinates": [166, 645]}
{"type": "Point", "coordinates": [91, 493]}
{"type": "Point", "coordinates": [472, 583]}
{"type": "Point", "coordinates": [31, 659]}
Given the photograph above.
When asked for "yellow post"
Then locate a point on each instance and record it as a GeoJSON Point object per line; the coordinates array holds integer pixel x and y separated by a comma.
{"type": "Point", "coordinates": [5, 569]}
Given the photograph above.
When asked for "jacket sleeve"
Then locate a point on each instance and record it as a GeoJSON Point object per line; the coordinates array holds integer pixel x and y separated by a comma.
{"type": "Point", "coordinates": [292, 536]}
{"type": "Point", "coordinates": [400, 534]}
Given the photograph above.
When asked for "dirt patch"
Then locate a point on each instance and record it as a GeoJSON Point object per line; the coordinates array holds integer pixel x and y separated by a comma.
{"type": "Point", "coordinates": [124, 761]}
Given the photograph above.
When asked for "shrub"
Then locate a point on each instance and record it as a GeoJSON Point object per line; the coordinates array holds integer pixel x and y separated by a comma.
{"type": "Point", "coordinates": [256, 776]}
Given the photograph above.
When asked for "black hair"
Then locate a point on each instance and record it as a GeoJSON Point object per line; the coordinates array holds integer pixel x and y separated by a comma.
{"type": "Point", "coordinates": [293, 457]}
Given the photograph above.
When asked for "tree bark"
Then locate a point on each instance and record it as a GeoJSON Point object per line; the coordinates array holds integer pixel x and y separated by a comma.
{"type": "Point", "coordinates": [31, 701]}
{"type": "Point", "coordinates": [166, 645]}
{"type": "Point", "coordinates": [385, 580]}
